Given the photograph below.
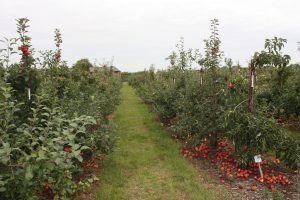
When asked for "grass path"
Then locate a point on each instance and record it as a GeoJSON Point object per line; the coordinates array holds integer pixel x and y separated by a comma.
{"type": "Point", "coordinates": [145, 163]}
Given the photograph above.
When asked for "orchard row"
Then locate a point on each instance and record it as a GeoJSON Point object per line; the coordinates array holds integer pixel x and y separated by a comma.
{"type": "Point", "coordinates": [53, 120]}
{"type": "Point", "coordinates": [255, 110]}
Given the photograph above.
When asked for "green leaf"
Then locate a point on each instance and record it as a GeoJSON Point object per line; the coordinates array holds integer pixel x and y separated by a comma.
{"type": "Point", "coordinates": [74, 125]}
{"type": "Point", "coordinates": [71, 137]}
{"type": "Point", "coordinates": [79, 158]}
{"type": "Point", "coordinates": [84, 147]}
{"type": "Point", "coordinates": [46, 114]}
{"type": "Point", "coordinates": [41, 155]}
{"type": "Point", "coordinates": [58, 161]}
{"type": "Point", "coordinates": [28, 174]}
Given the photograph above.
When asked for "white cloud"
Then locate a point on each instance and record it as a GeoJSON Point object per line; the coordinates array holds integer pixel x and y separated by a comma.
{"type": "Point", "coordinates": [141, 32]}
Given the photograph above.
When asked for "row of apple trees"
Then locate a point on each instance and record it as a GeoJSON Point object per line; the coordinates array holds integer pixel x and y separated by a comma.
{"type": "Point", "coordinates": [53, 119]}
{"type": "Point", "coordinates": [242, 105]}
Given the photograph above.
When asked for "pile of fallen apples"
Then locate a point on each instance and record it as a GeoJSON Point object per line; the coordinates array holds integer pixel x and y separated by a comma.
{"type": "Point", "coordinates": [224, 155]}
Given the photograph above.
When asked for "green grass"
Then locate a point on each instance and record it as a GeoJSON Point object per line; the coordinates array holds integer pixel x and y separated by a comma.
{"type": "Point", "coordinates": [146, 163]}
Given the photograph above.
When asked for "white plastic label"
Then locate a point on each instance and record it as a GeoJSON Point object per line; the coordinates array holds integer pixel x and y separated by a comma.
{"type": "Point", "coordinates": [257, 159]}
{"type": "Point", "coordinates": [29, 94]}
{"type": "Point", "coordinates": [252, 80]}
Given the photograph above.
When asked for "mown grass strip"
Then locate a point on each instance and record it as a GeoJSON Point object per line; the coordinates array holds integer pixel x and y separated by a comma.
{"type": "Point", "coordinates": [145, 163]}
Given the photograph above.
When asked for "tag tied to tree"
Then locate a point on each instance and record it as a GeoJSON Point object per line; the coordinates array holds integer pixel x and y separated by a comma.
{"type": "Point", "coordinates": [252, 80]}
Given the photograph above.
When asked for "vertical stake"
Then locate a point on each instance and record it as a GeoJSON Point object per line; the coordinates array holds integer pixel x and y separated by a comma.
{"type": "Point", "coordinates": [260, 171]}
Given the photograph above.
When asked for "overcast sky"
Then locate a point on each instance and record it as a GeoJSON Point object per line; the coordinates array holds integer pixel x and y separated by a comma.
{"type": "Point", "coordinates": [139, 33]}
